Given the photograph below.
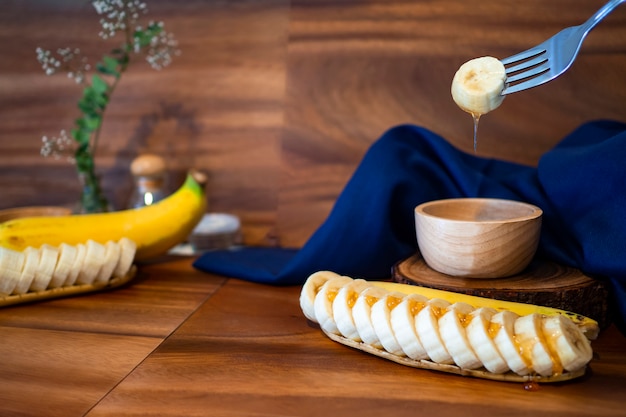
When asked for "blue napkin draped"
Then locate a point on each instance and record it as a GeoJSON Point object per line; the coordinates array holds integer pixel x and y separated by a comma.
{"type": "Point", "coordinates": [580, 185]}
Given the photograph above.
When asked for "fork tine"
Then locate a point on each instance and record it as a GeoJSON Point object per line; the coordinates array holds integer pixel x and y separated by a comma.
{"type": "Point", "coordinates": [540, 59]}
{"type": "Point", "coordinates": [529, 53]}
{"type": "Point", "coordinates": [530, 73]}
{"type": "Point", "coordinates": [532, 82]}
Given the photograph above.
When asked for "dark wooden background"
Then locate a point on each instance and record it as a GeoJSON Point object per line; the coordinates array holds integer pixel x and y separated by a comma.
{"type": "Point", "coordinates": [278, 100]}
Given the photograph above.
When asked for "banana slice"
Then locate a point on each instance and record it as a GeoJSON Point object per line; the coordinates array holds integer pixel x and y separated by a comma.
{"type": "Point", "coordinates": [503, 325]}
{"type": "Point", "coordinates": [403, 325]}
{"type": "Point", "coordinates": [342, 308]}
{"type": "Point", "coordinates": [31, 263]}
{"type": "Point", "coordinates": [480, 333]}
{"type": "Point", "coordinates": [65, 263]}
{"type": "Point", "coordinates": [77, 265]}
{"type": "Point", "coordinates": [568, 341]}
{"type": "Point", "coordinates": [427, 327]}
{"type": "Point", "coordinates": [381, 321]}
{"type": "Point", "coordinates": [452, 331]}
{"type": "Point", "coordinates": [48, 256]}
{"type": "Point", "coordinates": [128, 249]}
{"type": "Point", "coordinates": [310, 289]}
{"type": "Point", "coordinates": [94, 259]}
{"type": "Point", "coordinates": [478, 84]}
{"type": "Point", "coordinates": [11, 265]}
{"type": "Point", "coordinates": [361, 312]}
{"type": "Point", "coordinates": [111, 258]}
{"type": "Point", "coordinates": [533, 345]}
{"type": "Point", "coordinates": [323, 303]}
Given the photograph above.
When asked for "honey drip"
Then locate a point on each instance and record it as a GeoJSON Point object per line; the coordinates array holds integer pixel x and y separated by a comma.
{"type": "Point", "coordinates": [476, 118]}
{"type": "Point", "coordinates": [371, 300]}
{"type": "Point", "coordinates": [464, 319]}
{"type": "Point", "coordinates": [532, 384]}
{"type": "Point", "coordinates": [437, 311]}
{"type": "Point", "coordinates": [352, 299]}
{"type": "Point", "coordinates": [392, 302]}
{"type": "Point", "coordinates": [416, 307]}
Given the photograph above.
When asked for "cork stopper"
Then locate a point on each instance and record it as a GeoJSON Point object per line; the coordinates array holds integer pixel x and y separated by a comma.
{"type": "Point", "coordinates": [147, 165]}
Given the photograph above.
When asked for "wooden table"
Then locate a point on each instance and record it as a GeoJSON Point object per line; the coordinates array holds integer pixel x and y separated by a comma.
{"type": "Point", "coordinates": [179, 342]}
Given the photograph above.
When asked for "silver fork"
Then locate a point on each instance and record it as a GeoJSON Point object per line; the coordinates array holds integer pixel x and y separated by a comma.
{"type": "Point", "coordinates": [548, 60]}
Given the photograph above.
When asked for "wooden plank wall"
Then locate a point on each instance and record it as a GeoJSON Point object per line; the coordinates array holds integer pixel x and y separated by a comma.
{"type": "Point", "coordinates": [278, 100]}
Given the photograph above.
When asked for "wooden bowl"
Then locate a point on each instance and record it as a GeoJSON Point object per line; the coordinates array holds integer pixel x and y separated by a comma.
{"type": "Point", "coordinates": [478, 237]}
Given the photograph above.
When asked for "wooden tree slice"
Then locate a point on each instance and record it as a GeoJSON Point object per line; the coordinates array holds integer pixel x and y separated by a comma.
{"type": "Point", "coordinates": [542, 283]}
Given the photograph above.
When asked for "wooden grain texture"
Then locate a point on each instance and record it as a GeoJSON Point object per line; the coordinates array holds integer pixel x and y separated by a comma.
{"type": "Point", "coordinates": [542, 283]}
{"type": "Point", "coordinates": [63, 373]}
{"type": "Point", "coordinates": [278, 100]}
{"type": "Point", "coordinates": [60, 357]}
{"type": "Point", "coordinates": [249, 351]}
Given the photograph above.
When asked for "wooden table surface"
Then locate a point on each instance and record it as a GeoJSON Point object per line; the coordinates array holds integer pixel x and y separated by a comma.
{"type": "Point", "coordinates": [179, 342]}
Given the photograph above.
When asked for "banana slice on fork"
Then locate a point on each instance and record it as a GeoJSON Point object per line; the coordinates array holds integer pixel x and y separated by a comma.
{"type": "Point", "coordinates": [477, 85]}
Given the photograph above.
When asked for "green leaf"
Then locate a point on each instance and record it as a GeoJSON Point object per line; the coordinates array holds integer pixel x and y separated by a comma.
{"type": "Point", "coordinates": [93, 102]}
{"type": "Point", "coordinates": [99, 85]}
{"type": "Point", "coordinates": [81, 136]}
{"type": "Point", "coordinates": [89, 122]}
{"type": "Point", "coordinates": [108, 66]}
{"type": "Point", "coordinates": [87, 107]}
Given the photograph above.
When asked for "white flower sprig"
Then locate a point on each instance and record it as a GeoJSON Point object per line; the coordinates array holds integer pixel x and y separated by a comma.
{"type": "Point", "coordinates": [158, 47]}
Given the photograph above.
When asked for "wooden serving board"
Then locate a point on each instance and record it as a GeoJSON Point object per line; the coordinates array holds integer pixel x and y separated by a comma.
{"type": "Point", "coordinates": [542, 283]}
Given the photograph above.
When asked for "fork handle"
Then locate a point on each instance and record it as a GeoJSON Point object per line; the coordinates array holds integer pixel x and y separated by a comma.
{"type": "Point", "coordinates": [601, 14]}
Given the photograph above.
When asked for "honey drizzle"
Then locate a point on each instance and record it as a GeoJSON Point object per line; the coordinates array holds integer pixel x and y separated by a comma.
{"type": "Point", "coordinates": [392, 302]}
{"type": "Point", "coordinates": [464, 319]}
{"type": "Point", "coordinates": [416, 307]}
{"type": "Point", "coordinates": [437, 311]}
{"type": "Point", "coordinates": [351, 299]}
{"type": "Point", "coordinates": [532, 384]}
{"type": "Point", "coordinates": [371, 300]}
{"type": "Point", "coordinates": [493, 329]}
{"type": "Point", "coordinates": [476, 118]}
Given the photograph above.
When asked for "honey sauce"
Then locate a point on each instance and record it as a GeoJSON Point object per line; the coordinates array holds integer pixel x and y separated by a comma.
{"type": "Point", "coordinates": [476, 118]}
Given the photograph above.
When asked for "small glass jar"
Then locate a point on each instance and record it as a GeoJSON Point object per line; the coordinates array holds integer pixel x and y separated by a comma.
{"type": "Point", "coordinates": [149, 180]}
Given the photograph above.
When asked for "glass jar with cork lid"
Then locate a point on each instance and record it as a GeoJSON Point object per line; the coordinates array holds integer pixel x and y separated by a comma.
{"type": "Point", "coordinates": [149, 175]}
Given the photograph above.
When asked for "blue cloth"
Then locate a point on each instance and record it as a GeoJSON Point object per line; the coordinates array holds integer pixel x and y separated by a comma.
{"type": "Point", "coordinates": [580, 185]}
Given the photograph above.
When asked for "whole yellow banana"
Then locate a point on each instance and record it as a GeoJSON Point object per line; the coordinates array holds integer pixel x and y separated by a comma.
{"type": "Point", "coordinates": [154, 229]}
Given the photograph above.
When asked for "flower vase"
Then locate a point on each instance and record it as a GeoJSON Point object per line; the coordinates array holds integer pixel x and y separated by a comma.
{"type": "Point", "coordinates": [92, 199]}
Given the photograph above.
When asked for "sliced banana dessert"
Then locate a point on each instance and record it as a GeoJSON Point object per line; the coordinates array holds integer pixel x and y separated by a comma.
{"type": "Point", "coordinates": [480, 333]}
{"type": "Point", "coordinates": [48, 256]}
{"type": "Point", "coordinates": [111, 258]}
{"type": "Point", "coordinates": [65, 263]}
{"type": "Point", "coordinates": [477, 85]}
{"type": "Point", "coordinates": [50, 271]}
{"type": "Point", "coordinates": [27, 275]}
{"type": "Point", "coordinates": [323, 304]}
{"type": "Point", "coordinates": [11, 265]}
{"type": "Point", "coordinates": [449, 334]}
{"type": "Point", "coordinates": [452, 329]}
{"type": "Point", "coordinates": [381, 321]}
{"type": "Point", "coordinates": [403, 325]}
{"type": "Point", "coordinates": [95, 256]}
{"type": "Point", "coordinates": [342, 308]}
